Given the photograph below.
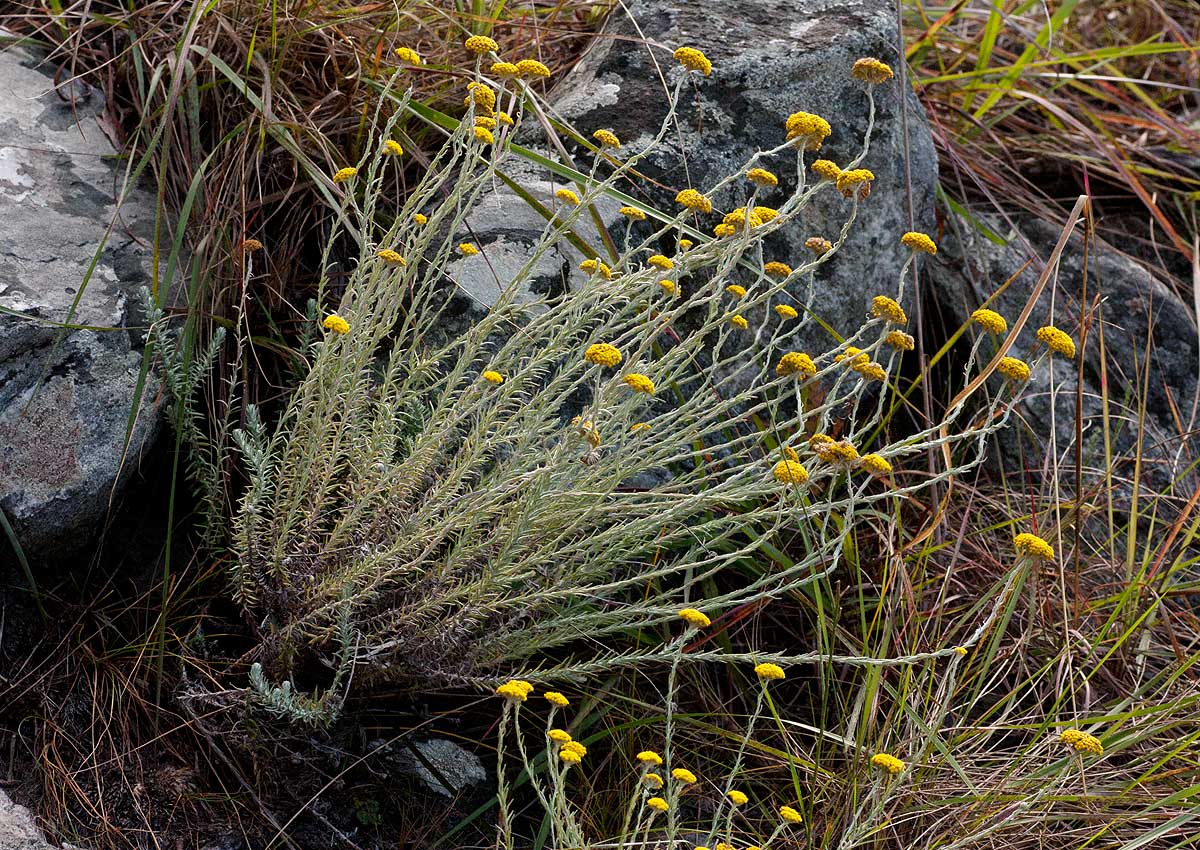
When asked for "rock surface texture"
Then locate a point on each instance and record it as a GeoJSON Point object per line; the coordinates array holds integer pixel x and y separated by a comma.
{"type": "Point", "coordinates": [65, 394]}
{"type": "Point", "coordinates": [1144, 321]}
{"type": "Point", "coordinates": [770, 58]}
{"type": "Point", "coordinates": [17, 828]}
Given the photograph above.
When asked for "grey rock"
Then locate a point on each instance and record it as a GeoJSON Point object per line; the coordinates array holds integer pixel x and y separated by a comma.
{"type": "Point", "coordinates": [18, 831]}
{"type": "Point", "coordinates": [443, 767]}
{"type": "Point", "coordinates": [771, 58]}
{"type": "Point", "coordinates": [1144, 321]}
{"type": "Point", "coordinates": [65, 395]}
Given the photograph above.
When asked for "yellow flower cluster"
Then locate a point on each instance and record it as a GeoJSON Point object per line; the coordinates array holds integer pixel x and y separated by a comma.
{"type": "Point", "coordinates": [493, 377]}
{"type": "Point", "coordinates": [1033, 546]}
{"type": "Point", "coordinates": [789, 472]}
{"type": "Point", "coordinates": [391, 257]}
{"type": "Point", "coordinates": [990, 320]}
{"type": "Point", "coordinates": [875, 464]}
{"type": "Point", "coordinates": [1013, 369]}
{"type": "Point", "coordinates": [739, 321]}
{"type": "Point", "coordinates": [407, 54]}
{"type": "Point", "coordinates": [887, 762]}
{"type": "Point", "coordinates": [607, 138]}
{"type": "Point", "coordinates": [833, 451]}
{"type": "Point", "coordinates": [768, 671]}
{"type": "Point", "coordinates": [567, 196]}
{"type": "Point", "coordinates": [871, 71]}
{"type": "Point", "coordinates": [789, 814]}
{"type": "Point", "coordinates": [344, 174]}
{"type": "Point", "coordinates": [480, 44]}
{"type": "Point", "coordinates": [251, 245]}
{"type": "Point", "coordinates": [485, 122]}
{"type": "Point", "coordinates": [653, 780]}
{"type": "Point", "coordinates": [517, 690]}
{"type": "Point", "coordinates": [856, 356]}
{"type": "Point", "coordinates": [855, 183]}
{"type": "Point", "coordinates": [684, 244]}
{"type": "Point", "coordinates": [658, 804]}
{"type": "Point", "coordinates": [796, 363]}
{"type": "Point", "coordinates": [482, 96]}
{"type": "Point", "coordinates": [694, 201]}
{"type": "Point", "coordinates": [1082, 742]}
{"type": "Point", "coordinates": [467, 249]}
{"type": "Point", "coordinates": [693, 60]}
{"type": "Point", "coordinates": [602, 354]}
{"type": "Point", "coordinates": [558, 736]}
{"type": "Point", "coordinates": [667, 285]}
{"type": "Point", "coordinates": [1056, 340]}
{"type": "Point", "coordinates": [649, 757]}
{"type": "Point", "coordinates": [392, 147]}
{"type": "Point", "coordinates": [819, 245]}
{"type": "Point", "coordinates": [484, 135]}
{"type": "Point", "coordinates": [785, 311]}
{"type": "Point", "coordinates": [736, 290]}
{"type": "Point", "coordinates": [640, 383]}
{"type": "Point", "coordinates": [886, 308]}
{"type": "Point", "coordinates": [682, 774]}
{"type": "Point", "coordinates": [504, 70]}
{"type": "Point", "coordinates": [334, 322]}
{"type": "Point", "coordinates": [918, 242]}
{"type": "Point", "coordinates": [632, 213]}
{"type": "Point", "coordinates": [762, 177]}
{"type": "Point", "coordinates": [596, 267]}
{"type": "Point", "coordinates": [900, 341]}
{"type": "Point", "coordinates": [661, 262]}
{"type": "Point", "coordinates": [532, 68]}
{"type": "Point", "coordinates": [807, 129]}
{"type": "Point", "coordinates": [695, 619]}
{"type": "Point", "coordinates": [420, 219]}
{"type": "Point", "coordinates": [777, 269]}
{"type": "Point", "coordinates": [826, 170]}
{"type": "Point", "coordinates": [737, 797]}
{"type": "Point", "coordinates": [556, 699]}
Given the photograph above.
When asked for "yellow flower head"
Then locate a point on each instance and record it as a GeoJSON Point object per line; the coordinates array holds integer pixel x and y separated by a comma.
{"type": "Point", "coordinates": [883, 307]}
{"type": "Point", "coordinates": [684, 244]}
{"type": "Point", "coordinates": [602, 354]}
{"type": "Point", "coordinates": [856, 356]}
{"type": "Point", "coordinates": [789, 814]}
{"type": "Point", "coordinates": [596, 267]}
{"type": "Point", "coordinates": [872, 371]}
{"type": "Point", "coordinates": [344, 174]}
{"type": "Point", "coordinates": [392, 147]}
{"type": "Point", "coordinates": [990, 320]}
{"type": "Point", "coordinates": [659, 261]}
{"type": "Point", "coordinates": [737, 797]}
{"type": "Point", "coordinates": [559, 736]}
{"type": "Point", "coordinates": [639, 426]}
{"type": "Point", "coordinates": [871, 71]}
{"type": "Point", "coordinates": [834, 452]}
{"type": "Point", "coordinates": [875, 464]}
{"type": "Point", "coordinates": [739, 322]}
{"type": "Point", "coordinates": [785, 311]}
{"type": "Point", "coordinates": [769, 671]}
{"type": "Point", "coordinates": [504, 70]}
{"type": "Point", "coordinates": [855, 182]}
{"type": "Point", "coordinates": [607, 139]}
{"type": "Point", "coordinates": [790, 454]}
{"type": "Point", "coordinates": [575, 747]}
{"type": "Point", "coordinates": [694, 201]}
{"type": "Point", "coordinates": [556, 699]}
{"type": "Point", "coordinates": [493, 377]}
{"type": "Point", "coordinates": [796, 363]}
{"type": "Point", "coordinates": [887, 762]}
{"type": "Point", "coordinates": [777, 269]}
{"type": "Point", "coordinates": [334, 322]}
{"type": "Point", "coordinates": [484, 135]}
{"type": "Point", "coordinates": [667, 285]}
{"type": "Point", "coordinates": [826, 169]}
{"type": "Point", "coordinates": [900, 341]}
{"type": "Point", "coordinates": [819, 245]}
{"type": "Point", "coordinates": [649, 757]}
{"type": "Point", "coordinates": [567, 196]}
{"type": "Point", "coordinates": [480, 44]}
{"type": "Point", "coordinates": [762, 177]}
{"type": "Point", "coordinates": [420, 219]}
{"type": "Point", "coordinates": [658, 804]}
{"type": "Point", "coordinates": [632, 213]}
{"type": "Point", "coordinates": [789, 472]}
{"type": "Point", "coordinates": [504, 118]}
{"type": "Point", "coordinates": [724, 229]}
{"type": "Point", "coordinates": [485, 122]}
{"type": "Point", "coordinates": [640, 383]}
{"type": "Point", "coordinates": [1014, 369]}
{"type": "Point", "coordinates": [467, 249]}
{"type": "Point", "coordinates": [1082, 742]}
{"type": "Point", "coordinates": [918, 242]}
{"type": "Point", "coordinates": [960, 651]}
{"type": "Point", "coordinates": [740, 218]}
{"type": "Point", "coordinates": [532, 68]}
{"type": "Point", "coordinates": [482, 96]}
{"type": "Point", "coordinates": [517, 690]}
{"type": "Point", "coordinates": [682, 774]}
{"type": "Point", "coordinates": [251, 245]}
{"type": "Point", "coordinates": [693, 60]}
{"type": "Point", "coordinates": [1057, 341]}
{"type": "Point", "coordinates": [736, 290]}
{"type": "Point", "coordinates": [1033, 546]}
{"type": "Point", "coordinates": [694, 618]}
{"type": "Point", "coordinates": [407, 54]}
{"type": "Point", "coordinates": [391, 257]}
{"type": "Point", "coordinates": [807, 129]}
{"type": "Point", "coordinates": [569, 756]}
{"type": "Point", "coordinates": [765, 214]}
{"type": "Point", "coordinates": [653, 780]}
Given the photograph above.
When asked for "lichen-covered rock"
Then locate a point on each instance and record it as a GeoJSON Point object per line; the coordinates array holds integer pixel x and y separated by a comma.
{"type": "Point", "coordinates": [770, 58]}
{"type": "Point", "coordinates": [18, 831]}
{"type": "Point", "coordinates": [1144, 321]}
{"type": "Point", "coordinates": [66, 394]}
